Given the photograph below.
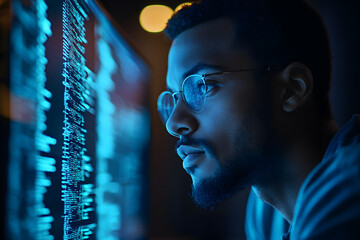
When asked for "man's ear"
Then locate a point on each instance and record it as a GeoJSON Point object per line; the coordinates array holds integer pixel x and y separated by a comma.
{"type": "Point", "coordinates": [298, 86]}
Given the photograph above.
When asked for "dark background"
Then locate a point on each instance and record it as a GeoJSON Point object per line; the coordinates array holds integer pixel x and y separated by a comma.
{"type": "Point", "coordinates": [172, 215]}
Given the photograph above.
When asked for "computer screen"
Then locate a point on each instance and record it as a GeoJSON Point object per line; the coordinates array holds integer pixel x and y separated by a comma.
{"type": "Point", "coordinates": [78, 125]}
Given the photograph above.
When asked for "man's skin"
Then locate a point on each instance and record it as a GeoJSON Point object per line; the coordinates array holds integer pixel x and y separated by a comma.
{"type": "Point", "coordinates": [269, 131]}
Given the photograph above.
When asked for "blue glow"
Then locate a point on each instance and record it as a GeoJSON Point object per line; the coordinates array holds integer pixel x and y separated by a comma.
{"type": "Point", "coordinates": [102, 133]}
{"type": "Point", "coordinates": [123, 131]}
{"type": "Point", "coordinates": [108, 212]}
{"type": "Point", "coordinates": [76, 166]}
{"type": "Point", "coordinates": [29, 102]}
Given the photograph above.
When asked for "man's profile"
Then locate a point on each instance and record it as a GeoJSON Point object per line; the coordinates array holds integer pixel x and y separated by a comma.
{"type": "Point", "coordinates": [247, 97]}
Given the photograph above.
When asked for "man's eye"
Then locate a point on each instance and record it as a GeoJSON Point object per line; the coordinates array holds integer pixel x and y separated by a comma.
{"type": "Point", "coordinates": [201, 87]}
{"type": "Point", "coordinates": [211, 87]}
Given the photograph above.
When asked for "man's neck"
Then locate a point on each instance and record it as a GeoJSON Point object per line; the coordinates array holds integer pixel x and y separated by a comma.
{"type": "Point", "coordinates": [302, 156]}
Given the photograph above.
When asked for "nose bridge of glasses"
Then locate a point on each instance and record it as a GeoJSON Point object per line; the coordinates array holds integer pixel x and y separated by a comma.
{"type": "Point", "coordinates": [174, 97]}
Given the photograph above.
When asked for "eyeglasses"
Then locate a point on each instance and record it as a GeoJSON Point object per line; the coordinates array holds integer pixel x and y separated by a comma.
{"type": "Point", "coordinates": [193, 91]}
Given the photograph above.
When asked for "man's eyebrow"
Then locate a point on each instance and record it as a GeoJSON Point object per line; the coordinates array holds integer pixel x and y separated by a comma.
{"type": "Point", "coordinates": [200, 66]}
{"type": "Point", "coordinates": [195, 69]}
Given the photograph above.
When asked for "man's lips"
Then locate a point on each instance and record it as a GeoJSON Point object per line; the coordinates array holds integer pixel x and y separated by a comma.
{"type": "Point", "coordinates": [190, 155]}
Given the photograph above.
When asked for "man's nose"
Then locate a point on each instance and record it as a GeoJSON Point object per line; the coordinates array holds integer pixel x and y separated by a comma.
{"type": "Point", "coordinates": [182, 121]}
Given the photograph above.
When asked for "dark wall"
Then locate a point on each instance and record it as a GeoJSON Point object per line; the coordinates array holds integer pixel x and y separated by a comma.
{"type": "Point", "coordinates": [342, 20]}
{"type": "Point", "coordinates": [4, 105]}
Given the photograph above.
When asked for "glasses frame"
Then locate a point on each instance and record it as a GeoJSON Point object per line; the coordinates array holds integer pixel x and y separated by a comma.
{"type": "Point", "coordinates": [203, 76]}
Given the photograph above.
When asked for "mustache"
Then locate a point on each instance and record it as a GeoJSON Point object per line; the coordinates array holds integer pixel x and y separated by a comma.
{"type": "Point", "coordinates": [206, 145]}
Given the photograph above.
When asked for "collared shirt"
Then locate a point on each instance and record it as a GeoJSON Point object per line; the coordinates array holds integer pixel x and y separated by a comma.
{"type": "Point", "coordinates": [263, 222]}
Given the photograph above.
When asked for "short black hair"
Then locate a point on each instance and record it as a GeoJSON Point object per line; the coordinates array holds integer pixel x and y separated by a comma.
{"type": "Point", "coordinates": [273, 32]}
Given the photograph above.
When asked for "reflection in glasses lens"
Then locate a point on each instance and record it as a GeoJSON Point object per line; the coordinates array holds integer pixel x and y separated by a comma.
{"type": "Point", "coordinates": [166, 103]}
{"type": "Point", "coordinates": [194, 90]}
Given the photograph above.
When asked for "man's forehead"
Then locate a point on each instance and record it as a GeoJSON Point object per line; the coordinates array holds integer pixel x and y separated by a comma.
{"type": "Point", "coordinates": [199, 47]}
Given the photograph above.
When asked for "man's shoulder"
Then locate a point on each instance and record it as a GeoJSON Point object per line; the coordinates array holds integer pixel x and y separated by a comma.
{"type": "Point", "coordinates": [328, 204]}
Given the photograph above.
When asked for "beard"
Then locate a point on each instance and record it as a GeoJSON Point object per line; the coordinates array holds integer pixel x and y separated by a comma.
{"type": "Point", "coordinates": [231, 177]}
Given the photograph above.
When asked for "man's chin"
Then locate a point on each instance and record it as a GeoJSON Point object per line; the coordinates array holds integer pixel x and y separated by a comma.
{"type": "Point", "coordinates": [208, 193]}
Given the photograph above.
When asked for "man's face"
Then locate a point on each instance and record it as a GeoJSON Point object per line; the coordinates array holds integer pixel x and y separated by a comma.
{"type": "Point", "coordinates": [221, 146]}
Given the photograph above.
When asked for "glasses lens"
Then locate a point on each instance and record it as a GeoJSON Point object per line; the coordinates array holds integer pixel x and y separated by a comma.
{"type": "Point", "coordinates": [194, 90]}
{"type": "Point", "coordinates": [165, 105]}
